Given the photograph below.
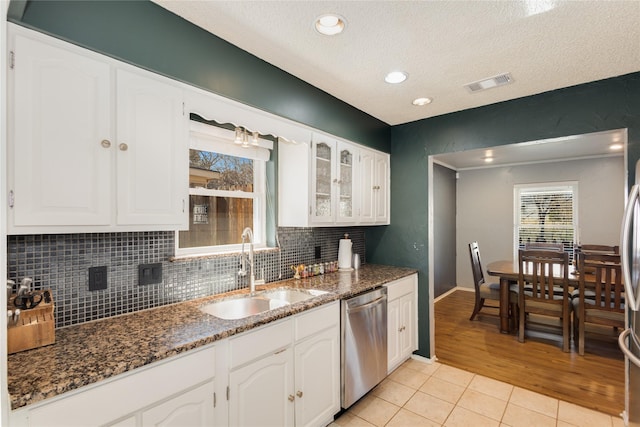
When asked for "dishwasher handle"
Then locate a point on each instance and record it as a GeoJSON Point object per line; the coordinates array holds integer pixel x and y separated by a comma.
{"type": "Point", "coordinates": [367, 305]}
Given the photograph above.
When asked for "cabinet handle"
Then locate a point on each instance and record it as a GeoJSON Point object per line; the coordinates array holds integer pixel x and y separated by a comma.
{"type": "Point", "coordinates": [299, 393]}
{"type": "Point", "coordinates": [123, 147]}
{"type": "Point", "coordinates": [291, 397]}
{"type": "Point", "coordinates": [105, 143]}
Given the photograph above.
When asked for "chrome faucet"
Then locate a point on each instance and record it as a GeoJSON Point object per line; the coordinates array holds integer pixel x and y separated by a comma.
{"type": "Point", "coordinates": [247, 234]}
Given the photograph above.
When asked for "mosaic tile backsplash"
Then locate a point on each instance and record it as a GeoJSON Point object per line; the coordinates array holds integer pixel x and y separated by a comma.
{"type": "Point", "coordinates": [61, 262]}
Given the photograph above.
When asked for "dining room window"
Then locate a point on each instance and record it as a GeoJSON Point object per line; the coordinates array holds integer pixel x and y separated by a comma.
{"type": "Point", "coordinates": [546, 213]}
{"type": "Point", "coordinates": [227, 192]}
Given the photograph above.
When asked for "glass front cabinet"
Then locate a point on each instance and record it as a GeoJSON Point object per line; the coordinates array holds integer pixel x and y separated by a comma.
{"type": "Point", "coordinates": [333, 182]}
{"type": "Point", "coordinates": [328, 181]}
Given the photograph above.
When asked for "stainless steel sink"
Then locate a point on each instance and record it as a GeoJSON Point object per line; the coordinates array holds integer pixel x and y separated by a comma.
{"type": "Point", "coordinates": [242, 307]}
{"type": "Point", "coordinates": [292, 295]}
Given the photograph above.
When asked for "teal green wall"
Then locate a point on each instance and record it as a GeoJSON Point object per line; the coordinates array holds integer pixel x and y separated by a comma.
{"type": "Point", "coordinates": [597, 106]}
{"type": "Point", "coordinates": [144, 34]}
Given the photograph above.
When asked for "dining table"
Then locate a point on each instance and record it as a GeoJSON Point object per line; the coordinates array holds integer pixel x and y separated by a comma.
{"type": "Point", "coordinates": [507, 271]}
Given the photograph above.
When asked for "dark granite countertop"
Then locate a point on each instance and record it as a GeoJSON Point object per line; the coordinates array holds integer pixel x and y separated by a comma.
{"type": "Point", "coordinates": [94, 351]}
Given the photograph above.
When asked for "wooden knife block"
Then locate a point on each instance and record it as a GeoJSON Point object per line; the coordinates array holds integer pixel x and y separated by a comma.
{"type": "Point", "coordinates": [35, 328]}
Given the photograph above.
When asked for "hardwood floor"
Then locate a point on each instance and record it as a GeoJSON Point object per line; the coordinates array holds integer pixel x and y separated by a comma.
{"type": "Point", "coordinates": [595, 380]}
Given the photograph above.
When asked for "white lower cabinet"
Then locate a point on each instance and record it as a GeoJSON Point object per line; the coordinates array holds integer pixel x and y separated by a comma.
{"type": "Point", "coordinates": [191, 408]}
{"type": "Point", "coordinates": [175, 392]}
{"type": "Point", "coordinates": [317, 378]}
{"type": "Point", "coordinates": [261, 393]}
{"type": "Point", "coordinates": [402, 321]}
{"type": "Point", "coordinates": [275, 381]}
{"type": "Point", "coordinates": [286, 373]}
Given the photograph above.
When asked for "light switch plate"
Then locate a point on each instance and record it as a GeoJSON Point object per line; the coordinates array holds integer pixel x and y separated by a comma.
{"type": "Point", "coordinates": [98, 278]}
{"type": "Point", "coordinates": [149, 274]}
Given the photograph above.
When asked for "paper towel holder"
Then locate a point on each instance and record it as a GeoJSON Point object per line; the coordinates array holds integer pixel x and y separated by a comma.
{"type": "Point", "coordinates": [345, 254]}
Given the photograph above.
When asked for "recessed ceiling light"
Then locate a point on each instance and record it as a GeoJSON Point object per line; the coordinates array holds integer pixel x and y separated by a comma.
{"type": "Point", "coordinates": [330, 24]}
{"type": "Point", "coordinates": [396, 77]}
{"type": "Point", "coordinates": [615, 147]}
{"type": "Point", "coordinates": [422, 101]}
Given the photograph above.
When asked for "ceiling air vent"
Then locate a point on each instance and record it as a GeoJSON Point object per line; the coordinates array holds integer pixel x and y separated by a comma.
{"type": "Point", "coordinates": [491, 82]}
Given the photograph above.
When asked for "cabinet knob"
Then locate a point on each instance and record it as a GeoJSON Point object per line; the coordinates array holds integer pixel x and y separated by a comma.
{"type": "Point", "coordinates": [105, 143]}
{"type": "Point", "coordinates": [123, 147]}
{"type": "Point", "coordinates": [291, 397]}
{"type": "Point", "coordinates": [335, 180]}
{"type": "Point", "coordinates": [299, 393]}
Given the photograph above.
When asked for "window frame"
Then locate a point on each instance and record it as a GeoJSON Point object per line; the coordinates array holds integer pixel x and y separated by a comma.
{"type": "Point", "coordinates": [224, 145]}
{"type": "Point", "coordinates": [561, 186]}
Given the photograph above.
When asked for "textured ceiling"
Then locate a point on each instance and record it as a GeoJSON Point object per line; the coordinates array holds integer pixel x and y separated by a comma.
{"type": "Point", "coordinates": [442, 45]}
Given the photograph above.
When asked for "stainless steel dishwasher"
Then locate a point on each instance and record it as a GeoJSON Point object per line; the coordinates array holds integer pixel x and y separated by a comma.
{"type": "Point", "coordinates": [364, 344]}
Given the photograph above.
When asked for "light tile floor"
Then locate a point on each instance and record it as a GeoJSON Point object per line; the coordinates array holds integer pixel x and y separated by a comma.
{"type": "Point", "coordinates": [433, 394]}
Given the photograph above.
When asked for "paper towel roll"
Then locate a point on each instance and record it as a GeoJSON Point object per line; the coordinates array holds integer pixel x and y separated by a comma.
{"type": "Point", "coordinates": [344, 254]}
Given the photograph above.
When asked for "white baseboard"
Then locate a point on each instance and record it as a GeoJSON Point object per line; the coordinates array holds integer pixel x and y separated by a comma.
{"type": "Point", "coordinates": [450, 291]}
{"type": "Point", "coordinates": [423, 359]}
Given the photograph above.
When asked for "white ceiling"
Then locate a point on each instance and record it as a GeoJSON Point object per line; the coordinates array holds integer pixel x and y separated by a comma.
{"type": "Point", "coordinates": [442, 45]}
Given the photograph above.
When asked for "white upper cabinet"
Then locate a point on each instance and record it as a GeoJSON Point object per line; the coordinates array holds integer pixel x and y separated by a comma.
{"type": "Point", "coordinates": [92, 147]}
{"type": "Point", "coordinates": [320, 184]}
{"type": "Point", "coordinates": [346, 168]}
{"type": "Point", "coordinates": [152, 152]}
{"type": "Point", "coordinates": [374, 187]}
{"type": "Point", "coordinates": [332, 181]}
{"type": "Point", "coordinates": [60, 154]}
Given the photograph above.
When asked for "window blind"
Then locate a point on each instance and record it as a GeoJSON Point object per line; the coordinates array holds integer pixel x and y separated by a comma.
{"type": "Point", "coordinates": [546, 215]}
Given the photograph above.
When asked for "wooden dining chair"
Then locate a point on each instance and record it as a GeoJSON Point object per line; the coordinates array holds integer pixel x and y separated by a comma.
{"type": "Point", "coordinates": [593, 249]}
{"type": "Point", "coordinates": [600, 295]}
{"type": "Point", "coordinates": [545, 246]}
{"type": "Point", "coordinates": [601, 249]}
{"type": "Point", "coordinates": [487, 291]}
{"type": "Point", "coordinates": [543, 282]}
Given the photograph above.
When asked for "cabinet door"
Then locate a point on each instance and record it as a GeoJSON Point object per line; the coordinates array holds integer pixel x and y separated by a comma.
{"type": "Point", "coordinates": [317, 378]}
{"type": "Point", "coordinates": [367, 191]}
{"type": "Point", "coordinates": [346, 183]}
{"type": "Point", "coordinates": [381, 191]}
{"type": "Point", "coordinates": [408, 321]}
{"type": "Point", "coordinates": [192, 408]}
{"type": "Point", "coordinates": [60, 168]}
{"type": "Point", "coordinates": [261, 393]}
{"type": "Point", "coordinates": [322, 183]}
{"type": "Point", "coordinates": [393, 334]}
{"type": "Point", "coordinates": [152, 153]}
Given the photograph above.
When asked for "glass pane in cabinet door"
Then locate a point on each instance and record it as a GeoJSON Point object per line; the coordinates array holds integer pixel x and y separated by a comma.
{"type": "Point", "coordinates": [346, 158]}
{"type": "Point", "coordinates": [346, 210]}
{"type": "Point", "coordinates": [323, 206]}
{"type": "Point", "coordinates": [323, 177]}
{"type": "Point", "coordinates": [323, 151]}
{"type": "Point", "coordinates": [346, 184]}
